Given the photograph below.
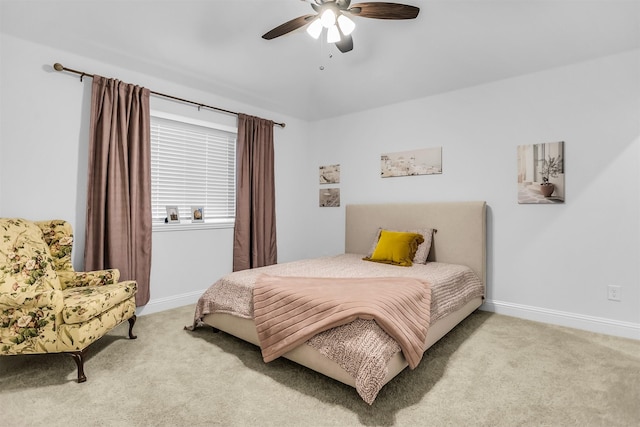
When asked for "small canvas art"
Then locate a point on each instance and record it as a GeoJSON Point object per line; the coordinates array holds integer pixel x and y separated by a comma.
{"type": "Point", "coordinates": [329, 174]}
{"type": "Point", "coordinates": [329, 197]}
{"type": "Point", "coordinates": [427, 161]}
{"type": "Point", "coordinates": [541, 173]}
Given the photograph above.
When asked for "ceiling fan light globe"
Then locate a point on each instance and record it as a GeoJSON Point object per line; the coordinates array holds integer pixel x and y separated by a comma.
{"type": "Point", "coordinates": [328, 18]}
{"type": "Point", "coordinates": [346, 25]}
{"type": "Point", "coordinates": [333, 35]}
{"type": "Point", "coordinates": [315, 29]}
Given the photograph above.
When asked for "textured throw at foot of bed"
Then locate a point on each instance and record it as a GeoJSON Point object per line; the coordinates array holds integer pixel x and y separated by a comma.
{"type": "Point", "coordinates": [290, 310]}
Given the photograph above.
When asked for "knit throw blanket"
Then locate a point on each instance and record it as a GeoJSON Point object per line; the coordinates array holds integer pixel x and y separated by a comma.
{"type": "Point", "coordinates": [290, 310]}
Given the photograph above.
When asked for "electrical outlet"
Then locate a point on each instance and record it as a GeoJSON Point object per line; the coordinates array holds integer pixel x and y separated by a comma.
{"type": "Point", "coordinates": [614, 292]}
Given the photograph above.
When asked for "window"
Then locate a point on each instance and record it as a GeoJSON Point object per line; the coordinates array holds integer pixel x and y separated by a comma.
{"type": "Point", "coordinates": [192, 164]}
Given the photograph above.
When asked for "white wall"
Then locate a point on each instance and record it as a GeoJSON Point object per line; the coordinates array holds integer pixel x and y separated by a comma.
{"type": "Point", "coordinates": [44, 154]}
{"type": "Point", "coordinates": [546, 262]}
{"type": "Point", "coordinates": [549, 263]}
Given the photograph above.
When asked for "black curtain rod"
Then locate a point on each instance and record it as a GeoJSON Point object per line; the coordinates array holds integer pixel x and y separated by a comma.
{"type": "Point", "coordinates": [59, 67]}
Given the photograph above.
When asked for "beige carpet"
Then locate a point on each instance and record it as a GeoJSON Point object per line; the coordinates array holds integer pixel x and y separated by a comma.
{"type": "Point", "coordinates": [491, 370]}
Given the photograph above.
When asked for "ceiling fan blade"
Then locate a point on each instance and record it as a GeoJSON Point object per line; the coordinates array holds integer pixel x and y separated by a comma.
{"type": "Point", "coordinates": [384, 10]}
{"type": "Point", "coordinates": [345, 44]}
{"type": "Point", "coordinates": [288, 26]}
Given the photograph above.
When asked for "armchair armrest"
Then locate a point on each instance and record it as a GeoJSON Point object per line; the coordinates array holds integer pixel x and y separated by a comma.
{"type": "Point", "coordinates": [27, 300]}
{"type": "Point", "coordinates": [89, 278]}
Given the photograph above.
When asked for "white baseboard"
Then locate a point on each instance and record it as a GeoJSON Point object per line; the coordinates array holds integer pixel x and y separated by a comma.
{"type": "Point", "coordinates": [167, 303]}
{"type": "Point", "coordinates": [562, 318]}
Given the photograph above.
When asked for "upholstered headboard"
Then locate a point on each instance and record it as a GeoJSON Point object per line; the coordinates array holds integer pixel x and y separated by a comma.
{"type": "Point", "coordinates": [461, 237]}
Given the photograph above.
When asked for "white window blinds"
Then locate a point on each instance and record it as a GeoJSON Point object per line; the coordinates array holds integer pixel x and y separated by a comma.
{"type": "Point", "coordinates": [192, 164]}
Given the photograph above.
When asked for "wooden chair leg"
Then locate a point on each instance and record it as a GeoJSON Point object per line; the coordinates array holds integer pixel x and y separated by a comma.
{"type": "Point", "coordinates": [132, 321]}
{"type": "Point", "coordinates": [78, 357]}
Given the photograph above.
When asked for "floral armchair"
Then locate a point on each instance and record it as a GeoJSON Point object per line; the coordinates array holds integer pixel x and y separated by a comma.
{"type": "Point", "coordinates": [47, 307]}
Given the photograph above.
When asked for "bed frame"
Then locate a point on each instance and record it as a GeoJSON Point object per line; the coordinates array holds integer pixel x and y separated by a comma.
{"type": "Point", "coordinates": [460, 239]}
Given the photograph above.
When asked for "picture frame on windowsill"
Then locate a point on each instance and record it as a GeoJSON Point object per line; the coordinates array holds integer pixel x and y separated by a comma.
{"type": "Point", "coordinates": [197, 214]}
{"type": "Point", "coordinates": [173, 215]}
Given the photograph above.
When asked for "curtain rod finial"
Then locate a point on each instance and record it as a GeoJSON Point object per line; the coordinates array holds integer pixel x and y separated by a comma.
{"type": "Point", "coordinates": [58, 66]}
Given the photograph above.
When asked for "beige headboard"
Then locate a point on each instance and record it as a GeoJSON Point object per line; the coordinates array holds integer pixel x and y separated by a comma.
{"type": "Point", "coordinates": [461, 237]}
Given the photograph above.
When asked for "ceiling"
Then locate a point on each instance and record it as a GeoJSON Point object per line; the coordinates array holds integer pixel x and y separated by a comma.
{"type": "Point", "coordinates": [216, 46]}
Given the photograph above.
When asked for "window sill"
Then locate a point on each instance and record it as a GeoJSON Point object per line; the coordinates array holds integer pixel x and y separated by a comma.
{"type": "Point", "coordinates": [190, 226]}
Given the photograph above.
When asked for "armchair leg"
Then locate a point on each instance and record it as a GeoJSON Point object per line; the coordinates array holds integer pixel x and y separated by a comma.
{"type": "Point", "coordinates": [78, 357]}
{"type": "Point", "coordinates": [132, 321]}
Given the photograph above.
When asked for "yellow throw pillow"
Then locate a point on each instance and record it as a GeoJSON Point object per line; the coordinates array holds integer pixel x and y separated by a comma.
{"type": "Point", "coordinates": [423, 249]}
{"type": "Point", "coordinates": [395, 247]}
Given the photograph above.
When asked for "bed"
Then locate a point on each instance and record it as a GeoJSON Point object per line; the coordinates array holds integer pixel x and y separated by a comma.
{"type": "Point", "coordinates": [458, 248]}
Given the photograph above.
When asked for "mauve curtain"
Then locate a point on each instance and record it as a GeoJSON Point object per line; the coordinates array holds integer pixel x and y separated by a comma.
{"type": "Point", "coordinates": [255, 227]}
{"type": "Point", "coordinates": [118, 229]}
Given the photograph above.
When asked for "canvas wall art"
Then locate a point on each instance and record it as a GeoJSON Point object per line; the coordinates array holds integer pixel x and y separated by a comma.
{"type": "Point", "coordinates": [329, 174]}
{"type": "Point", "coordinates": [426, 161]}
{"type": "Point", "coordinates": [329, 197]}
{"type": "Point", "coordinates": [541, 173]}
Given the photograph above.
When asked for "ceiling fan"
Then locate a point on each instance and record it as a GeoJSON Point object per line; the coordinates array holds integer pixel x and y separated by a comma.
{"type": "Point", "coordinates": [334, 16]}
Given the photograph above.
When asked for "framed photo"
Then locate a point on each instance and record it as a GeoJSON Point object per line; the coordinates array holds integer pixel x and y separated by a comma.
{"type": "Point", "coordinates": [197, 214]}
{"type": "Point", "coordinates": [173, 215]}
